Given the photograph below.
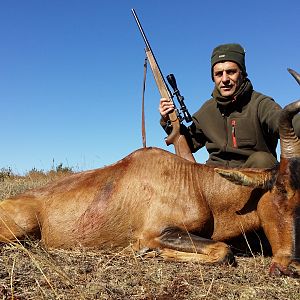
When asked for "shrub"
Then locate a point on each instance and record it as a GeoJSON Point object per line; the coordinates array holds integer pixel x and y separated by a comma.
{"type": "Point", "coordinates": [5, 173]}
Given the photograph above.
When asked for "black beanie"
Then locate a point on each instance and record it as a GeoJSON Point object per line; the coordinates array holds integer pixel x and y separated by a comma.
{"type": "Point", "coordinates": [229, 52]}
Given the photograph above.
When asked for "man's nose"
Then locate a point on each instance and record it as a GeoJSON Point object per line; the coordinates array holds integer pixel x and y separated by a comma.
{"type": "Point", "coordinates": [225, 76]}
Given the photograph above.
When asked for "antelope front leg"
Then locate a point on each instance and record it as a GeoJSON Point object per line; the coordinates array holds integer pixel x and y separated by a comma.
{"type": "Point", "coordinates": [178, 245]}
{"type": "Point", "coordinates": [281, 230]}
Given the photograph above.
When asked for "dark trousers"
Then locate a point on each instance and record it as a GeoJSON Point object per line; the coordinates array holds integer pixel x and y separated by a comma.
{"type": "Point", "coordinates": [260, 159]}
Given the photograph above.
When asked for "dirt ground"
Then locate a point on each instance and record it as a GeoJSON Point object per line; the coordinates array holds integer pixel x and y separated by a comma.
{"type": "Point", "coordinates": [28, 271]}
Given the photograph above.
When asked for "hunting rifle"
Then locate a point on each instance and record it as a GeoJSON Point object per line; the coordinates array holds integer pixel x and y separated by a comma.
{"type": "Point", "coordinates": [182, 148]}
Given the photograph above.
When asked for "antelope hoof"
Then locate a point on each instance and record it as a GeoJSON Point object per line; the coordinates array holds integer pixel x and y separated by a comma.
{"type": "Point", "coordinates": [229, 259]}
{"type": "Point", "coordinates": [279, 270]}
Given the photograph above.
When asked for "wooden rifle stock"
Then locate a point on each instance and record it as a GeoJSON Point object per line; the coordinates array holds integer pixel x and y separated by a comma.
{"type": "Point", "coordinates": [182, 148]}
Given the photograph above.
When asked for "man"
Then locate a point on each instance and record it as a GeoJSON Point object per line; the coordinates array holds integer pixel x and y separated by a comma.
{"type": "Point", "coordinates": [238, 125]}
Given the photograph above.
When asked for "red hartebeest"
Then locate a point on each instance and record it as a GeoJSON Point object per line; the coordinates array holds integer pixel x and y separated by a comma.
{"type": "Point", "coordinates": [153, 199]}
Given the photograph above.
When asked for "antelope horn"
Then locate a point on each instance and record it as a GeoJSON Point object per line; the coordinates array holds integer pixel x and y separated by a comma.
{"type": "Point", "coordinates": [289, 142]}
{"type": "Point", "coordinates": [295, 75]}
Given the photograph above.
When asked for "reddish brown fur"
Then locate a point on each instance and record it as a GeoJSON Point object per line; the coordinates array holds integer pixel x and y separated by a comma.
{"type": "Point", "coordinates": [136, 199]}
{"type": "Point", "coordinates": [139, 196]}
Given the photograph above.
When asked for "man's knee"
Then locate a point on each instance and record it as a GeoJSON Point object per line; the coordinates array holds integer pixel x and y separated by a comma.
{"type": "Point", "coordinates": [260, 159]}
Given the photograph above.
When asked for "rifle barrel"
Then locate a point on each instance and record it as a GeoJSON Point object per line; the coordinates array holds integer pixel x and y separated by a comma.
{"type": "Point", "coordinates": [148, 49]}
{"type": "Point", "coordinates": [141, 29]}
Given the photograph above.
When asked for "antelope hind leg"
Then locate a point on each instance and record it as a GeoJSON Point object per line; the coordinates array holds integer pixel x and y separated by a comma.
{"type": "Point", "coordinates": [178, 245]}
{"type": "Point", "coordinates": [18, 218]}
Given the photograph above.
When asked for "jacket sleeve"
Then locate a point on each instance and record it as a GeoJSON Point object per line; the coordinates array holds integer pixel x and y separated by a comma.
{"type": "Point", "coordinates": [269, 112]}
{"type": "Point", "coordinates": [194, 135]}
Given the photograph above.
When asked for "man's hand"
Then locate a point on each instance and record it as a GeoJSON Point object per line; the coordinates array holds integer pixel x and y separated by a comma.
{"type": "Point", "coordinates": [165, 107]}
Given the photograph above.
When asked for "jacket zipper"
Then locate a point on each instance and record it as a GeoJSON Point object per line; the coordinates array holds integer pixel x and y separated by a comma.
{"type": "Point", "coordinates": [233, 125]}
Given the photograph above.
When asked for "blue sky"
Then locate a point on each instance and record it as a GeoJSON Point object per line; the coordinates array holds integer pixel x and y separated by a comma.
{"type": "Point", "coordinates": [71, 71]}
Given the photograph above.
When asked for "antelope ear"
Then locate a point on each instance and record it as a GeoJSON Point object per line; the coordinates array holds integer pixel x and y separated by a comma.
{"type": "Point", "coordinates": [248, 177]}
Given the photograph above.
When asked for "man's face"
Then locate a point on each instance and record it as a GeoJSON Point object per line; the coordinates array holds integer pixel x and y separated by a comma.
{"type": "Point", "coordinates": [227, 77]}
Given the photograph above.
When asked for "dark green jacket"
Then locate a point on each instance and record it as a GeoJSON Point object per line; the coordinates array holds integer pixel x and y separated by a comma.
{"type": "Point", "coordinates": [232, 131]}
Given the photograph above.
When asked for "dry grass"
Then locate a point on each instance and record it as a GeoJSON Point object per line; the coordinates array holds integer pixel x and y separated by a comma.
{"type": "Point", "coordinates": [27, 271]}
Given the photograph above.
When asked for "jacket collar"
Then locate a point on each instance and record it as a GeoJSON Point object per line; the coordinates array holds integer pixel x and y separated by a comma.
{"type": "Point", "coordinates": [237, 99]}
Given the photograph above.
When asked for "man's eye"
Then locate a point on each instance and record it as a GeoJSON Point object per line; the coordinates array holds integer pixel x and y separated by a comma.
{"type": "Point", "coordinates": [231, 72]}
